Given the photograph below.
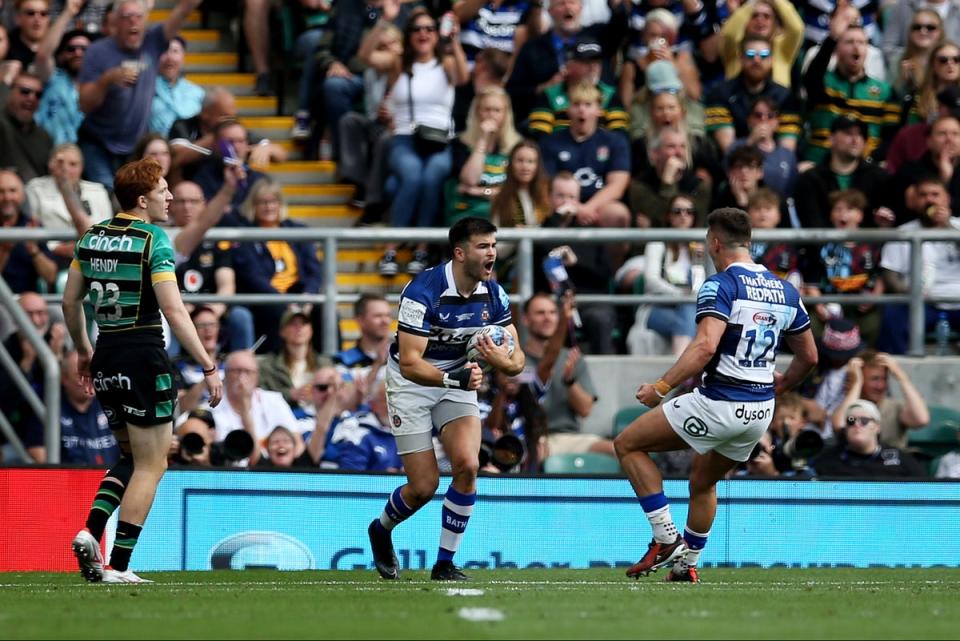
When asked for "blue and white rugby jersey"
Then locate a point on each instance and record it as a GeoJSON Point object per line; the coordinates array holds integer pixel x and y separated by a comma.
{"type": "Point", "coordinates": [759, 309]}
{"type": "Point", "coordinates": [431, 306]}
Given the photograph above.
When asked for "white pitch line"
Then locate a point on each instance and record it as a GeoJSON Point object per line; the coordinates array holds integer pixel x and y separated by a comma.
{"type": "Point", "coordinates": [480, 614]}
{"type": "Point", "coordinates": [464, 592]}
{"type": "Point", "coordinates": [499, 583]}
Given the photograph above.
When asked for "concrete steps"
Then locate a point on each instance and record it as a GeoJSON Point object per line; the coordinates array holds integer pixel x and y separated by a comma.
{"type": "Point", "coordinates": [201, 40]}
{"type": "Point", "coordinates": [240, 84]}
{"type": "Point", "coordinates": [257, 106]}
{"type": "Point", "coordinates": [272, 127]}
{"type": "Point", "coordinates": [193, 20]}
{"type": "Point", "coordinates": [210, 62]}
{"type": "Point", "coordinates": [313, 196]}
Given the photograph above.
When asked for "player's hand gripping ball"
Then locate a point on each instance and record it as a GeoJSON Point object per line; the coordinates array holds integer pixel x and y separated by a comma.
{"type": "Point", "coordinates": [498, 335]}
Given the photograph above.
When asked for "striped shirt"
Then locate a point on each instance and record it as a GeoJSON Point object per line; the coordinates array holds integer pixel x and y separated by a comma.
{"type": "Point", "coordinates": [121, 259]}
{"type": "Point", "coordinates": [551, 114]}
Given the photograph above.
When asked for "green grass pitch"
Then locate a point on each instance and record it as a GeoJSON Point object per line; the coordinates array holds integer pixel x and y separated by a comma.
{"type": "Point", "coordinates": [496, 604]}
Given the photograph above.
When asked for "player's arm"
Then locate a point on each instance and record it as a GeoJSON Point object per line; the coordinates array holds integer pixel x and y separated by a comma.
{"type": "Point", "coordinates": [76, 322]}
{"type": "Point", "coordinates": [498, 355]}
{"type": "Point", "coordinates": [73, 315]}
{"type": "Point", "coordinates": [414, 368]}
{"type": "Point", "coordinates": [168, 297]}
{"type": "Point", "coordinates": [804, 349]}
{"type": "Point", "coordinates": [691, 362]}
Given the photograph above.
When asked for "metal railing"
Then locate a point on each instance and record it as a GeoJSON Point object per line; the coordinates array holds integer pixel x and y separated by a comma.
{"type": "Point", "coordinates": [332, 238]}
{"type": "Point", "coordinates": [49, 411]}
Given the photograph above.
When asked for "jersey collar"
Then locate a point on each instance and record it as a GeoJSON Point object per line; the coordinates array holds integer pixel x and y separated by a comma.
{"type": "Point", "coordinates": [754, 267]}
{"type": "Point", "coordinates": [452, 290]}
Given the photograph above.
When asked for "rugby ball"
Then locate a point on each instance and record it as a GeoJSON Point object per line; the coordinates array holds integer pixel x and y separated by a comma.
{"type": "Point", "coordinates": [499, 336]}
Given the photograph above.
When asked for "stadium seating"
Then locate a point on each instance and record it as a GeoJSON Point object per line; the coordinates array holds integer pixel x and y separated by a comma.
{"type": "Point", "coordinates": [310, 187]}
{"type": "Point", "coordinates": [587, 463]}
{"type": "Point", "coordinates": [940, 436]}
{"type": "Point", "coordinates": [625, 416]}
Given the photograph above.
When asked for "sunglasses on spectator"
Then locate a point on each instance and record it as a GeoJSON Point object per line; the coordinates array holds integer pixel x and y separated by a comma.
{"type": "Point", "coordinates": [863, 421]}
{"type": "Point", "coordinates": [27, 91]}
{"type": "Point", "coordinates": [764, 115]}
{"type": "Point", "coordinates": [32, 13]}
{"type": "Point", "coordinates": [951, 59]}
{"type": "Point", "coordinates": [689, 211]}
{"type": "Point", "coordinates": [75, 48]}
{"type": "Point", "coordinates": [322, 387]}
{"type": "Point", "coordinates": [429, 28]}
{"type": "Point", "coordinates": [752, 54]}
{"type": "Point", "coordinates": [924, 27]}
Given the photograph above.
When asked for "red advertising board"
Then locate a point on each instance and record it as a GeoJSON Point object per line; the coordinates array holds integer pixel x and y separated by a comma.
{"type": "Point", "coordinates": [41, 511]}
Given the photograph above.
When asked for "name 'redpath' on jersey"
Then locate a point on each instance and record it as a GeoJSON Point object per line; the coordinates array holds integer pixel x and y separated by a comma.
{"type": "Point", "coordinates": [431, 306]}
{"type": "Point", "coordinates": [759, 309]}
{"type": "Point", "coordinates": [121, 259]}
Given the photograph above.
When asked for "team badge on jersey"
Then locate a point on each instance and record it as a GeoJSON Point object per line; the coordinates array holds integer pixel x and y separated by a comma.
{"type": "Point", "coordinates": [603, 153]}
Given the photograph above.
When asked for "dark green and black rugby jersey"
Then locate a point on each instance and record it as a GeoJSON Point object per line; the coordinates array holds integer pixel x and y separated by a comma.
{"type": "Point", "coordinates": [121, 259]}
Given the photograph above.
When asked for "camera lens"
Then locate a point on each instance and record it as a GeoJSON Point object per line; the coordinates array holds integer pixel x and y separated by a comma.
{"type": "Point", "coordinates": [508, 452]}
{"type": "Point", "coordinates": [192, 443]}
{"type": "Point", "coordinates": [237, 445]}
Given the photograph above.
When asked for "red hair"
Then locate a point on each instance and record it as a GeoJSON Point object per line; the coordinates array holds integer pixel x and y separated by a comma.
{"type": "Point", "coordinates": [136, 179]}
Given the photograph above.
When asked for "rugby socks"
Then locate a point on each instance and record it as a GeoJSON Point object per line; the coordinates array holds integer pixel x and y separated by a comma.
{"type": "Point", "coordinates": [108, 496]}
{"type": "Point", "coordinates": [695, 542]}
{"type": "Point", "coordinates": [127, 535]}
{"type": "Point", "coordinates": [457, 508]}
{"type": "Point", "coordinates": [395, 512]}
{"type": "Point", "coordinates": [657, 509]}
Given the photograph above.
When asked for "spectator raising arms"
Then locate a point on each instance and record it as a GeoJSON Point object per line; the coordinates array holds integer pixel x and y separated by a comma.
{"type": "Point", "coordinates": [868, 379]}
{"type": "Point", "coordinates": [117, 83]}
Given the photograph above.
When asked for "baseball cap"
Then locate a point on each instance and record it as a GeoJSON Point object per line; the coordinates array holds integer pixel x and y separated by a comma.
{"type": "Point", "coordinates": [843, 123]}
{"type": "Point", "coordinates": [292, 312]}
{"type": "Point", "coordinates": [586, 48]}
{"type": "Point", "coordinates": [867, 407]}
{"type": "Point", "coordinates": [73, 33]}
{"type": "Point", "coordinates": [662, 77]}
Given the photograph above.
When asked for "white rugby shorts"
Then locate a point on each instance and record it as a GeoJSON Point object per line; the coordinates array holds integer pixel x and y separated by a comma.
{"type": "Point", "coordinates": [731, 428]}
{"type": "Point", "coordinates": [415, 409]}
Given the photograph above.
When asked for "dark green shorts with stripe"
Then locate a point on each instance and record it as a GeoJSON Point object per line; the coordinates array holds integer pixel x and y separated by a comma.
{"type": "Point", "coordinates": [134, 384]}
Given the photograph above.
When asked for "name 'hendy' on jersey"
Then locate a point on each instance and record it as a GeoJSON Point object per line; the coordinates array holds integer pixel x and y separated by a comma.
{"type": "Point", "coordinates": [431, 306]}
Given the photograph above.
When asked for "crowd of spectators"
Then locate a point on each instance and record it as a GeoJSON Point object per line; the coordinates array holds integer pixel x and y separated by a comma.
{"type": "Point", "coordinates": [578, 113]}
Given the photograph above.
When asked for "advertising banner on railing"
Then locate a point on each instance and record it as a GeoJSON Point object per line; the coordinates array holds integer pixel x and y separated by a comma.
{"type": "Point", "coordinates": [224, 519]}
